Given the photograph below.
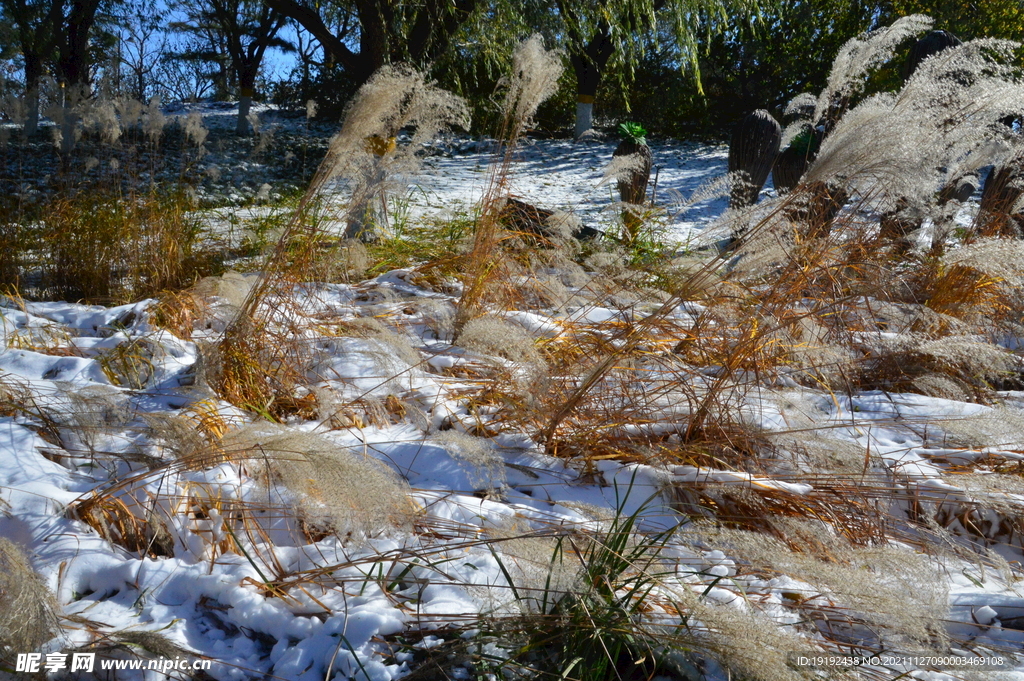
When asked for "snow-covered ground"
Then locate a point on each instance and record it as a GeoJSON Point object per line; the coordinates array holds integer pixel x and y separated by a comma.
{"type": "Point", "coordinates": [148, 504]}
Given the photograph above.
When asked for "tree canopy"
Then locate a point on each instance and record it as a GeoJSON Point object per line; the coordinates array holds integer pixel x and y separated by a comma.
{"type": "Point", "coordinates": [677, 66]}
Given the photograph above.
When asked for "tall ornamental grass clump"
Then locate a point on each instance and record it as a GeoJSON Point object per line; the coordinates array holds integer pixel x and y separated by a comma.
{"type": "Point", "coordinates": [261, 362]}
{"type": "Point", "coordinates": [534, 78]}
{"type": "Point", "coordinates": [106, 246]}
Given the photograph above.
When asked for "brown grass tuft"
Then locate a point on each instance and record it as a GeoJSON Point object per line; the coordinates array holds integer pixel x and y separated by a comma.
{"type": "Point", "coordinates": [28, 610]}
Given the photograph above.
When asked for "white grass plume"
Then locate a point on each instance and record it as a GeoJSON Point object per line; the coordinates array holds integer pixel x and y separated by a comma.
{"type": "Point", "coordinates": [535, 74]}
{"type": "Point", "coordinates": [28, 610]}
{"type": "Point", "coordinates": [862, 54]}
{"type": "Point", "coordinates": [739, 636]}
{"type": "Point", "coordinates": [154, 120]}
{"type": "Point", "coordinates": [801, 105]}
{"type": "Point", "coordinates": [101, 115]}
{"type": "Point", "coordinates": [195, 130]}
{"type": "Point", "coordinates": [621, 167]}
{"type": "Point", "coordinates": [895, 589]}
{"type": "Point", "coordinates": [335, 487]}
{"type": "Point", "coordinates": [395, 97]}
{"type": "Point", "coordinates": [131, 111]}
{"type": "Point", "coordinates": [996, 428]}
{"type": "Point", "coordinates": [905, 146]}
{"type": "Point", "coordinates": [391, 342]}
{"type": "Point", "coordinates": [1002, 259]}
{"type": "Point", "coordinates": [540, 574]}
{"type": "Point", "coordinates": [490, 335]}
{"type": "Point", "coordinates": [487, 468]}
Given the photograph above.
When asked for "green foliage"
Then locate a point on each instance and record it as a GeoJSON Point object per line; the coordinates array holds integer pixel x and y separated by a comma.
{"type": "Point", "coordinates": [805, 142]}
{"type": "Point", "coordinates": [967, 20]}
{"type": "Point", "coordinates": [763, 65]}
{"type": "Point", "coordinates": [634, 132]}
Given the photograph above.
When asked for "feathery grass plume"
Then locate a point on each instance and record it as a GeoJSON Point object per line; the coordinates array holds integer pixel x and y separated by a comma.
{"type": "Point", "coordinates": [365, 152]}
{"type": "Point", "coordinates": [230, 289]}
{"type": "Point", "coordinates": [101, 115]}
{"type": "Point", "coordinates": [813, 349]}
{"type": "Point", "coordinates": [541, 573]}
{"type": "Point", "coordinates": [487, 468]}
{"type": "Point", "coordinates": [534, 78]}
{"type": "Point", "coordinates": [897, 592]}
{"type": "Point", "coordinates": [335, 488]}
{"type": "Point", "coordinates": [153, 120]}
{"type": "Point", "coordinates": [131, 111]}
{"type": "Point", "coordinates": [257, 367]}
{"type": "Point", "coordinates": [974, 364]}
{"type": "Point", "coordinates": [92, 415]}
{"type": "Point", "coordinates": [391, 353]}
{"type": "Point", "coordinates": [857, 58]}
{"type": "Point", "coordinates": [346, 262]}
{"type": "Point", "coordinates": [990, 507]}
{"type": "Point", "coordinates": [965, 358]}
{"type": "Point", "coordinates": [28, 610]}
{"type": "Point", "coordinates": [396, 97]}
{"type": "Point", "coordinates": [996, 428]}
{"type": "Point", "coordinates": [439, 316]}
{"type": "Point", "coordinates": [582, 599]}
{"type": "Point", "coordinates": [391, 342]}
{"type": "Point", "coordinates": [264, 133]}
{"type": "Point", "coordinates": [490, 335]}
{"type": "Point", "coordinates": [740, 637]}
{"type": "Point", "coordinates": [153, 645]}
{"type": "Point", "coordinates": [179, 436]}
{"type": "Point", "coordinates": [950, 112]}
{"type": "Point", "coordinates": [1000, 259]}
{"type": "Point", "coordinates": [195, 130]}
{"type": "Point", "coordinates": [817, 453]}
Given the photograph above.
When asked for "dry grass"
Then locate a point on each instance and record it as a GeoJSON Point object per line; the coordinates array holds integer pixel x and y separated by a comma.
{"type": "Point", "coordinates": [107, 247]}
{"type": "Point", "coordinates": [28, 610]}
{"type": "Point", "coordinates": [534, 78]}
{"type": "Point", "coordinates": [813, 305]}
{"type": "Point", "coordinates": [260, 364]}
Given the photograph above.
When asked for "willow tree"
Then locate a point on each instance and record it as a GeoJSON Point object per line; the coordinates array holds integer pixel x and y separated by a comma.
{"type": "Point", "coordinates": [967, 19]}
{"type": "Point", "coordinates": [600, 35]}
{"type": "Point", "coordinates": [597, 37]}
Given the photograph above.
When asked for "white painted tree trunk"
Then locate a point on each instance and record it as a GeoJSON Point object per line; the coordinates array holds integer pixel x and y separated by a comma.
{"type": "Point", "coordinates": [584, 116]}
{"type": "Point", "coordinates": [244, 104]}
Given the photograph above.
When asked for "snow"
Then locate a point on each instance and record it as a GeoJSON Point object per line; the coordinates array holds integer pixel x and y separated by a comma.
{"type": "Point", "coordinates": [336, 605]}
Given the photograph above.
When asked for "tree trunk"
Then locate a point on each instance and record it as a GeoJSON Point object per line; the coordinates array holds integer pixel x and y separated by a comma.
{"type": "Point", "coordinates": [33, 74]}
{"type": "Point", "coordinates": [246, 81]}
{"type": "Point", "coordinates": [244, 103]}
{"type": "Point", "coordinates": [584, 115]}
{"type": "Point", "coordinates": [588, 65]}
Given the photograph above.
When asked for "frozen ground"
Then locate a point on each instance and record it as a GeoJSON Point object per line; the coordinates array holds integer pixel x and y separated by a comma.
{"type": "Point", "coordinates": [443, 523]}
